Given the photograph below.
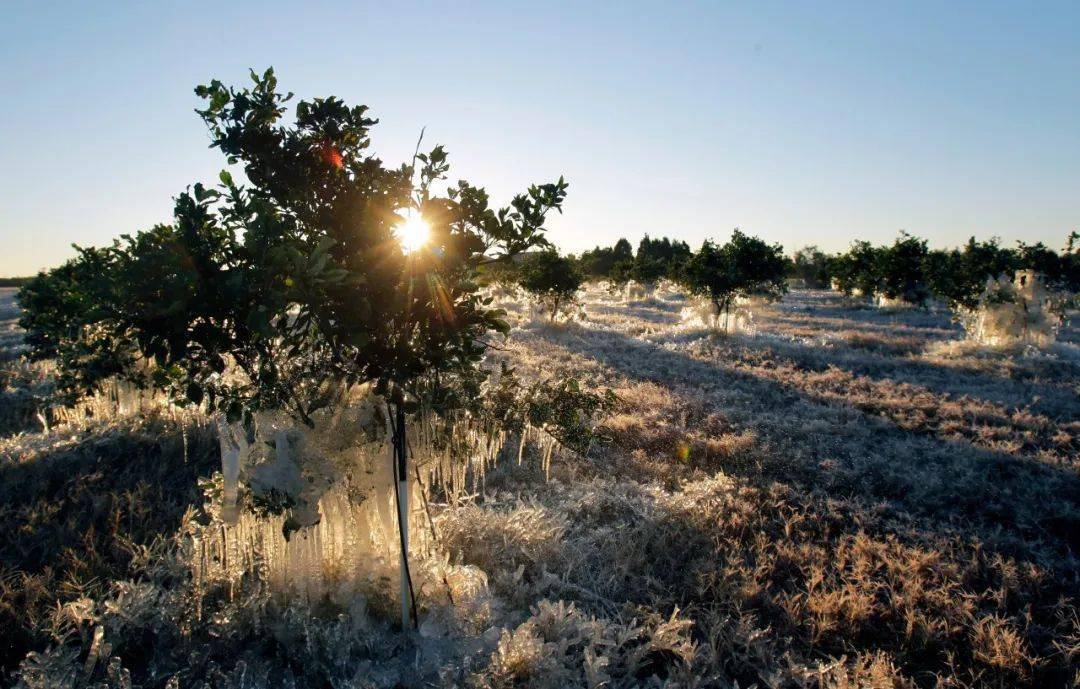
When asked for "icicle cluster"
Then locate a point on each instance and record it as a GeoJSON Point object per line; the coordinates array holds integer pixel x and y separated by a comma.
{"type": "Point", "coordinates": [116, 398]}
{"type": "Point", "coordinates": [701, 312]}
{"type": "Point", "coordinates": [310, 513]}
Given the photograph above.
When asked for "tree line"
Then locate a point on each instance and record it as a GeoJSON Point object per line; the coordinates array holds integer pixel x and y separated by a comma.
{"type": "Point", "coordinates": [908, 270]}
{"type": "Point", "coordinates": [745, 266]}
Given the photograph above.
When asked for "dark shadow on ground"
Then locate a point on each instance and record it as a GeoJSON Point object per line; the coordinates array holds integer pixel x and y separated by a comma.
{"type": "Point", "coordinates": [73, 517]}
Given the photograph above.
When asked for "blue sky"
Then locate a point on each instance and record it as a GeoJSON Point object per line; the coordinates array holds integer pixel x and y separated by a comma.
{"type": "Point", "coordinates": [798, 122]}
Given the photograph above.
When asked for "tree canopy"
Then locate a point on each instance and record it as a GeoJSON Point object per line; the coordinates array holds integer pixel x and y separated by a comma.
{"type": "Point", "coordinates": [296, 279]}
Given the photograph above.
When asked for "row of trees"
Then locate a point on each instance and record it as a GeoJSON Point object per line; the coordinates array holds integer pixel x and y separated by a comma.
{"type": "Point", "coordinates": [654, 260]}
{"type": "Point", "coordinates": [745, 266]}
{"type": "Point", "coordinates": [908, 270]}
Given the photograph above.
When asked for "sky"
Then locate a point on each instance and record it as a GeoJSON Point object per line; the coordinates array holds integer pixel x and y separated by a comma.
{"type": "Point", "coordinates": [801, 123]}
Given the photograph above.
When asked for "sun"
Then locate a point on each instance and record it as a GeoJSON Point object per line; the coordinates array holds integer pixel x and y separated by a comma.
{"type": "Point", "coordinates": [413, 232]}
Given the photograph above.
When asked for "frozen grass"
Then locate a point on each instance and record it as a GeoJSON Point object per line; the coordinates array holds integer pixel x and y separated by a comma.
{"type": "Point", "coordinates": [847, 497]}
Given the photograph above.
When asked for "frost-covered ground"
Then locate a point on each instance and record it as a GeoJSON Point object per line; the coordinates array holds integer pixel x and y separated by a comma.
{"type": "Point", "coordinates": [840, 497]}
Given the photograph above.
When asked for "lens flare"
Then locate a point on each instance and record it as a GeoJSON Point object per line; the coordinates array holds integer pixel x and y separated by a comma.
{"type": "Point", "coordinates": [413, 232]}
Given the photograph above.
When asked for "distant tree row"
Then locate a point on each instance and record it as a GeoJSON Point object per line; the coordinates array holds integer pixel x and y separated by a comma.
{"type": "Point", "coordinates": [654, 260]}
{"type": "Point", "coordinates": [743, 267]}
{"type": "Point", "coordinates": [908, 270]}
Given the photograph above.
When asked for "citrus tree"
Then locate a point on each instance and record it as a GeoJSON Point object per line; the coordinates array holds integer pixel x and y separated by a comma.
{"type": "Point", "coordinates": [743, 267]}
{"type": "Point", "coordinates": [551, 279]}
{"type": "Point", "coordinates": [856, 270]}
{"type": "Point", "coordinates": [63, 316]}
{"type": "Point", "coordinates": [600, 263]}
{"type": "Point", "coordinates": [901, 270]}
{"type": "Point", "coordinates": [959, 275]}
{"type": "Point", "coordinates": [278, 289]}
{"type": "Point", "coordinates": [810, 265]}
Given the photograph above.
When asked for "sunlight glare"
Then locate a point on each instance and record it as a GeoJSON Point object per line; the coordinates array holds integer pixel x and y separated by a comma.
{"type": "Point", "coordinates": [413, 232]}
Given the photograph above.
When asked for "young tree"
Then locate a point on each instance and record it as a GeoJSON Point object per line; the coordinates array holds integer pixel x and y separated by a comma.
{"type": "Point", "coordinates": [647, 271]}
{"type": "Point", "coordinates": [553, 280]}
{"type": "Point", "coordinates": [710, 273]}
{"type": "Point", "coordinates": [760, 268]}
{"type": "Point", "coordinates": [63, 318]}
{"type": "Point", "coordinates": [901, 270]}
{"type": "Point", "coordinates": [959, 275]}
{"type": "Point", "coordinates": [600, 263]}
{"type": "Point", "coordinates": [1043, 260]}
{"type": "Point", "coordinates": [298, 284]}
{"type": "Point", "coordinates": [658, 258]}
{"type": "Point", "coordinates": [499, 274]}
{"type": "Point", "coordinates": [811, 265]}
{"type": "Point", "coordinates": [743, 267]}
{"type": "Point", "coordinates": [857, 269]}
{"type": "Point", "coordinates": [1070, 265]}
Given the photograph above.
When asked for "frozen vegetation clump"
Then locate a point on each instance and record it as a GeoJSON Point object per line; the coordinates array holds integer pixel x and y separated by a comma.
{"type": "Point", "coordinates": [636, 291]}
{"type": "Point", "coordinates": [310, 511]}
{"type": "Point", "coordinates": [701, 312]}
{"type": "Point", "coordinates": [1016, 312]}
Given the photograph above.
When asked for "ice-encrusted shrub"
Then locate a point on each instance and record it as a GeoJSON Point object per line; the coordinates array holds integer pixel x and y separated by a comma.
{"type": "Point", "coordinates": [553, 282]}
{"type": "Point", "coordinates": [1020, 311]}
{"type": "Point", "coordinates": [310, 514]}
{"type": "Point", "coordinates": [704, 313]}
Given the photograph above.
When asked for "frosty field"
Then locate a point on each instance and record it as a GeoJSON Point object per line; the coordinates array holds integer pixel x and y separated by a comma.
{"type": "Point", "coordinates": [832, 496]}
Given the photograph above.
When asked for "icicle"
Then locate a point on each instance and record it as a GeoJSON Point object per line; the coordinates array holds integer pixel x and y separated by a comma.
{"type": "Point", "coordinates": [232, 447]}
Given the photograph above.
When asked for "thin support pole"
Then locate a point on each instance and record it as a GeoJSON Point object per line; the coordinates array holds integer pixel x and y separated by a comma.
{"type": "Point", "coordinates": [399, 456]}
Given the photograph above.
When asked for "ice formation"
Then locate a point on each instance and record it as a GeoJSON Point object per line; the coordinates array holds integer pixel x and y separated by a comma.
{"type": "Point", "coordinates": [1020, 311]}
{"type": "Point", "coordinates": [113, 399]}
{"type": "Point", "coordinates": [754, 301]}
{"type": "Point", "coordinates": [234, 452]}
{"type": "Point", "coordinates": [570, 310]}
{"type": "Point", "coordinates": [635, 291]}
{"type": "Point", "coordinates": [702, 312]}
{"type": "Point", "coordinates": [320, 523]}
{"type": "Point", "coordinates": [884, 302]}
{"type": "Point", "coordinates": [668, 290]}
{"type": "Point", "coordinates": [503, 292]}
